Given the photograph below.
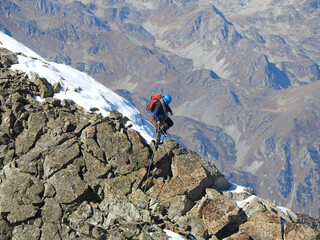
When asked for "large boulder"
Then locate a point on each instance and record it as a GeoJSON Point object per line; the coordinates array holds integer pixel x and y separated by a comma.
{"type": "Point", "coordinates": [51, 211]}
{"type": "Point", "coordinates": [188, 176]}
{"type": "Point", "coordinates": [263, 225]}
{"type": "Point", "coordinates": [214, 214]}
{"type": "Point", "coordinates": [28, 138]}
{"type": "Point", "coordinates": [46, 89]}
{"type": "Point", "coordinates": [61, 156]}
{"type": "Point", "coordinates": [20, 196]}
{"type": "Point", "coordinates": [294, 231]}
{"type": "Point", "coordinates": [69, 186]}
{"type": "Point", "coordinates": [7, 58]}
{"type": "Point", "coordinates": [5, 230]}
{"type": "Point", "coordinates": [26, 232]}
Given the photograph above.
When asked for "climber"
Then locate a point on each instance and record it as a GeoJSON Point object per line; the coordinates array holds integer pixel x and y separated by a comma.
{"type": "Point", "coordinates": [160, 114]}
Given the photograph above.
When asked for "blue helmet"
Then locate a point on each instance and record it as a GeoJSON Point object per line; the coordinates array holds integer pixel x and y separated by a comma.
{"type": "Point", "coordinates": [167, 98]}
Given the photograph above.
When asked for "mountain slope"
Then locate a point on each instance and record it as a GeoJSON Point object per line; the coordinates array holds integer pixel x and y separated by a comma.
{"type": "Point", "coordinates": [221, 62]}
{"type": "Point", "coordinates": [76, 86]}
{"type": "Point", "coordinates": [67, 173]}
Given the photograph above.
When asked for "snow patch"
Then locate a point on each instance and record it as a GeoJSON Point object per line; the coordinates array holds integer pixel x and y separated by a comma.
{"type": "Point", "coordinates": [173, 235]}
{"type": "Point", "coordinates": [241, 204]}
{"type": "Point", "coordinates": [240, 189]}
{"type": "Point", "coordinates": [77, 86]}
{"type": "Point", "coordinates": [284, 210]}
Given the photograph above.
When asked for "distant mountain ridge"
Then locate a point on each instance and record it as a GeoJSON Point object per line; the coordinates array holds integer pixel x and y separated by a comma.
{"type": "Point", "coordinates": [243, 77]}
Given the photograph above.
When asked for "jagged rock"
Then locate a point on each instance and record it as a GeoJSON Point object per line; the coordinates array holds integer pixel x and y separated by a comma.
{"type": "Point", "coordinates": [115, 115]}
{"type": "Point", "coordinates": [239, 236]}
{"type": "Point", "coordinates": [97, 217]}
{"type": "Point", "coordinates": [65, 231]}
{"type": "Point", "coordinates": [5, 230]}
{"type": "Point", "coordinates": [263, 225]}
{"type": "Point", "coordinates": [294, 231]}
{"type": "Point", "coordinates": [141, 152]}
{"type": "Point", "coordinates": [162, 159]}
{"type": "Point", "coordinates": [7, 58]}
{"type": "Point", "coordinates": [237, 196]}
{"type": "Point", "coordinates": [29, 163]}
{"type": "Point", "coordinates": [18, 127]}
{"type": "Point", "coordinates": [4, 138]}
{"type": "Point", "coordinates": [193, 176]}
{"type": "Point", "coordinates": [90, 145]}
{"type": "Point", "coordinates": [68, 185]}
{"type": "Point", "coordinates": [178, 205]}
{"type": "Point", "coordinates": [21, 213]}
{"type": "Point", "coordinates": [219, 214]}
{"type": "Point", "coordinates": [254, 206]}
{"type": "Point", "coordinates": [9, 153]}
{"type": "Point", "coordinates": [79, 216]}
{"type": "Point", "coordinates": [8, 120]}
{"type": "Point", "coordinates": [46, 89]}
{"type": "Point", "coordinates": [49, 231]}
{"type": "Point", "coordinates": [139, 199]}
{"type": "Point", "coordinates": [33, 195]}
{"type": "Point", "coordinates": [26, 232]}
{"type": "Point", "coordinates": [107, 136]}
{"type": "Point", "coordinates": [188, 177]}
{"type": "Point", "coordinates": [120, 211]}
{"type": "Point", "coordinates": [84, 229]}
{"type": "Point", "coordinates": [51, 211]}
{"type": "Point", "coordinates": [95, 168]}
{"type": "Point", "coordinates": [61, 157]}
{"type": "Point", "coordinates": [28, 138]}
{"type": "Point", "coordinates": [292, 215]}
{"type": "Point", "coordinates": [54, 102]}
{"type": "Point", "coordinates": [57, 87]}
{"type": "Point", "coordinates": [120, 187]}
{"type": "Point", "coordinates": [19, 193]}
{"type": "Point", "coordinates": [49, 191]}
{"type": "Point", "coordinates": [67, 103]}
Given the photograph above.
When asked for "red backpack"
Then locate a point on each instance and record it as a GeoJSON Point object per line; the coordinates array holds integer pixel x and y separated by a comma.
{"type": "Point", "coordinates": [154, 98]}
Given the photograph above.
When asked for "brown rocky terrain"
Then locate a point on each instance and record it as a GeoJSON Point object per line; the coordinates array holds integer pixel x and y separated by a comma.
{"type": "Point", "coordinates": [243, 74]}
{"type": "Point", "coordinates": [69, 174]}
{"type": "Point", "coordinates": [310, 221]}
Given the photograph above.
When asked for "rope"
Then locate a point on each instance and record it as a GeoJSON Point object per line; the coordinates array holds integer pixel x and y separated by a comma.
{"type": "Point", "coordinates": [164, 108]}
{"type": "Point", "coordinates": [148, 173]}
{"type": "Point", "coordinates": [163, 133]}
{"type": "Point", "coordinates": [153, 152]}
{"type": "Point", "coordinates": [149, 168]}
{"type": "Point", "coordinates": [148, 234]}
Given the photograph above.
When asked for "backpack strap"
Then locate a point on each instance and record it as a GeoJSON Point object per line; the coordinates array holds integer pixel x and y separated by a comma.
{"type": "Point", "coordinates": [164, 108]}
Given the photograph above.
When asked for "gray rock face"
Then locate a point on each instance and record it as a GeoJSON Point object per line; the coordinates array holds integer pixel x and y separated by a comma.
{"type": "Point", "coordinates": [67, 174]}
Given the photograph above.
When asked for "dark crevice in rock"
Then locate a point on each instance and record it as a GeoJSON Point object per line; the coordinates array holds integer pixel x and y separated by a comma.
{"type": "Point", "coordinates": [81, 172]}
{"type": "Point", "coordinates": [95, 198]}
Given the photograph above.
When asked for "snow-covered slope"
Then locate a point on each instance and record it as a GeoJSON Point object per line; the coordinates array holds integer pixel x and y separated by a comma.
{"type": "Point", "coordinates": [77, 86]}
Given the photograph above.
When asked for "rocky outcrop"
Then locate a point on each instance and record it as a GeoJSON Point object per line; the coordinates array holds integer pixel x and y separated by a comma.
{"type": "Point", "coordinates": [294, 231]}
{"type": "Point", "coordinates": [221, 60]}
{"type": "Point", "coordinates": [66, 174]}
{"type": "Point", "coordinates": [310, 221]}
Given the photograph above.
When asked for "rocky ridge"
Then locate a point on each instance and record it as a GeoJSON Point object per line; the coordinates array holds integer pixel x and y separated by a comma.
{"type": "Point", "coordinates": [69, 174]}
{"type": "Point", "coordinates": [226, 58]}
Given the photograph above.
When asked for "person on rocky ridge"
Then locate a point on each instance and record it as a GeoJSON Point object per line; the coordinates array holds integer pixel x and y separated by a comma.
{"type": "Point", "coordinates": [160, 115]}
